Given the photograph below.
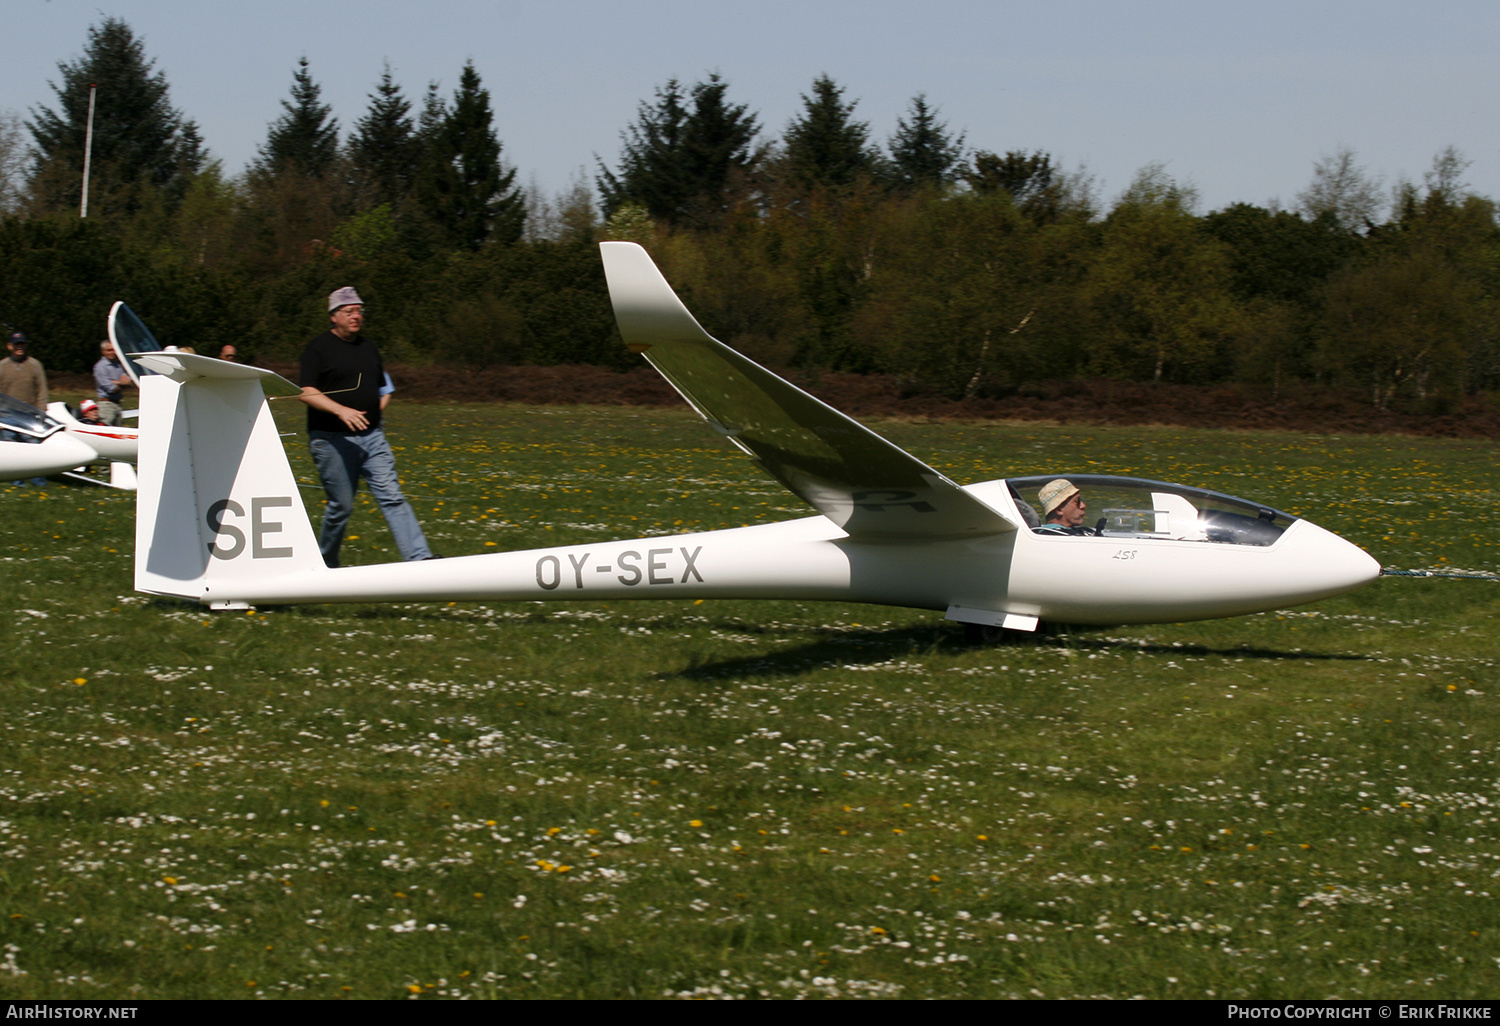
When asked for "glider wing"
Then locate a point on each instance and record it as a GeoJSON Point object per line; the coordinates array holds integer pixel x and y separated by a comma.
{"type": "Point", "coordinates": [864, 484]}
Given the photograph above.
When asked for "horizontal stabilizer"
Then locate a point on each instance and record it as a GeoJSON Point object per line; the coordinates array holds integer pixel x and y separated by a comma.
{"type": "Point", "coordinates": [184, 367]}
{"type": "Point", "coordinates": [869, 487]}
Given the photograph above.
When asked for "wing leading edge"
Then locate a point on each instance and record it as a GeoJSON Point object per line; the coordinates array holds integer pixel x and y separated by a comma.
{"type": "Point", "coordinates": [864, 484]}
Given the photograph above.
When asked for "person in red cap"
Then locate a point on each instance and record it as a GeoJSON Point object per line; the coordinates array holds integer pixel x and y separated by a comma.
{"type": "Point", "coordinates": [342, 376]}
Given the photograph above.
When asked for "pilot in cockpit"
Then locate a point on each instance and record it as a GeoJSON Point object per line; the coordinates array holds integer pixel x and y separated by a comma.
{"type": "Point", "coordinates": [1062, 508]}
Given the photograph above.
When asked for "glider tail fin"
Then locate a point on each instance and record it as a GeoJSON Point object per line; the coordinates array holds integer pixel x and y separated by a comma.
{"type": "Point", "coordinates": [217, 503]}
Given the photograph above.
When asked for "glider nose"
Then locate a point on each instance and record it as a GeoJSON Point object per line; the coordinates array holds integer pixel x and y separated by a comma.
{"type": "Point", "coordinates": [67, 451]}
{"type": "Point", "coordinates": [1333, 564]}
{"type": "Point", "coordinates": [1356, 566]}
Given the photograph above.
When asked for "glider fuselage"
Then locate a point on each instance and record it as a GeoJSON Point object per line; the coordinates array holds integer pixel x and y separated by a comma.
{"type": "Point", "coordinates": [1105, 579]}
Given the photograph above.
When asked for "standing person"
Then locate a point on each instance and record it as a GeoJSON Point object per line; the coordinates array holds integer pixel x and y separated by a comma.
{"type": "Point", "coordinates": [22, 376]}
{"type": "Point", "coordinates": [110, 381]}
{"type": "Point", "coordinates": [341, 381]}
{"type": "Point", "coordinates": [228, 352]}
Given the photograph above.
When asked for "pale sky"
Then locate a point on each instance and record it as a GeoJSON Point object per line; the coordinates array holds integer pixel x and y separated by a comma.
{"type": "Point", "coordinates": [1236, 98]}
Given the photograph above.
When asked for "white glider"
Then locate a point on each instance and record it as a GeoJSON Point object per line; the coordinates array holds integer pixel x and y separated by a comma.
{"type": "Point", "coordinates": [33, 444]}
{"type": "Point", "coordinates": [220, 519]}
{"type": "Point", "coordinates": [119, 445]}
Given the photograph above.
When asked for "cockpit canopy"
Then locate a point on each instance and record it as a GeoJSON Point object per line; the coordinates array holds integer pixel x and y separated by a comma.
{"type": "Point", "coordinates": [131, 337]}
{"type": "Point", "coordinates": [1133, 508]}
{"type": "Point", "coordinates": [24, 419]}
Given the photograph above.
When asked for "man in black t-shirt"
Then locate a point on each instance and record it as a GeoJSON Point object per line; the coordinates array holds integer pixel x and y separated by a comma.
{"type": "Point", "coordinates": [341, 384]}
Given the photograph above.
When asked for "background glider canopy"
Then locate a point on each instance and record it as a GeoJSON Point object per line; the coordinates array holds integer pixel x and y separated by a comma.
{"type": "Point", "coordinates": [869, 487]}
{"type": "Point", "coordinates": [25, 419]}
{"type": "Point", "coordinates": [131, 336]}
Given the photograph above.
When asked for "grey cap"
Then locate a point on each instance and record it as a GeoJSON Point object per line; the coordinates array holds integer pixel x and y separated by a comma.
{"type": "Point", "coordinates": [345, 296]}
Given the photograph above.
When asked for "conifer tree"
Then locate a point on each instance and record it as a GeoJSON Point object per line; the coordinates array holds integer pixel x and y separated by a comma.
{"type": "Point", "coordinates": [1035, 185]}
{"type": "Point", "coordinates": [430, 121]}
{"type": "Point", "coordinates": [648, 174]}
{"type": "Point", "coordinates": [383, 147]}
{"type": "Point", "coordinates": [680, 162]}
{"type": "Point", "coordinates": [923, 152]}
{"type": "Point", "coordinates": [825, 146]}
{"type": "Point", "coordinates": [305, 138]}
{"type": "Point", "coordinates": [717, 144]}
{"type": "Point", "coordinates": [465, 189]}
{"type": "Point", "coordinates": [139, 137]}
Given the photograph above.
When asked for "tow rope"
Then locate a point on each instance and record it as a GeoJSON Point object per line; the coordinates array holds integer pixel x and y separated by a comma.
{"type": "Point", "coordinates": [1473, 575]}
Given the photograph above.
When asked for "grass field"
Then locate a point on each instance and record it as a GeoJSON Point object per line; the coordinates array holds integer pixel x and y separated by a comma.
{"type": "Point", "coordinates": [745, 799]}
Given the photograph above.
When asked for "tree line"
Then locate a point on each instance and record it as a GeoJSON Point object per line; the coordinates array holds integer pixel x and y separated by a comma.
{"type": "Point", "coordinates": [963, 270]}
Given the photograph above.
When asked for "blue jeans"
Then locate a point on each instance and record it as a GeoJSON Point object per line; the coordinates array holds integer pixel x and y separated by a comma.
{"type": "Point", "coordinates": [341, 461]}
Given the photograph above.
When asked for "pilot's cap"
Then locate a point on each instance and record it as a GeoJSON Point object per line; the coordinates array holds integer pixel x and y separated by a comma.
{"type": "Point", "coordinates": [1054, 493]}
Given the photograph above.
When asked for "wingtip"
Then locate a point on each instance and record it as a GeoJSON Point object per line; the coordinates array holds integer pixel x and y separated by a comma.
{"type": "Point", "coordinates": [646, 308]}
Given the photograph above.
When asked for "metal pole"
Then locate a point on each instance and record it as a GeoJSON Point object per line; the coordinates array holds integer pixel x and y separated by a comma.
{"type": "Point", "coordinates": [88, 152]}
